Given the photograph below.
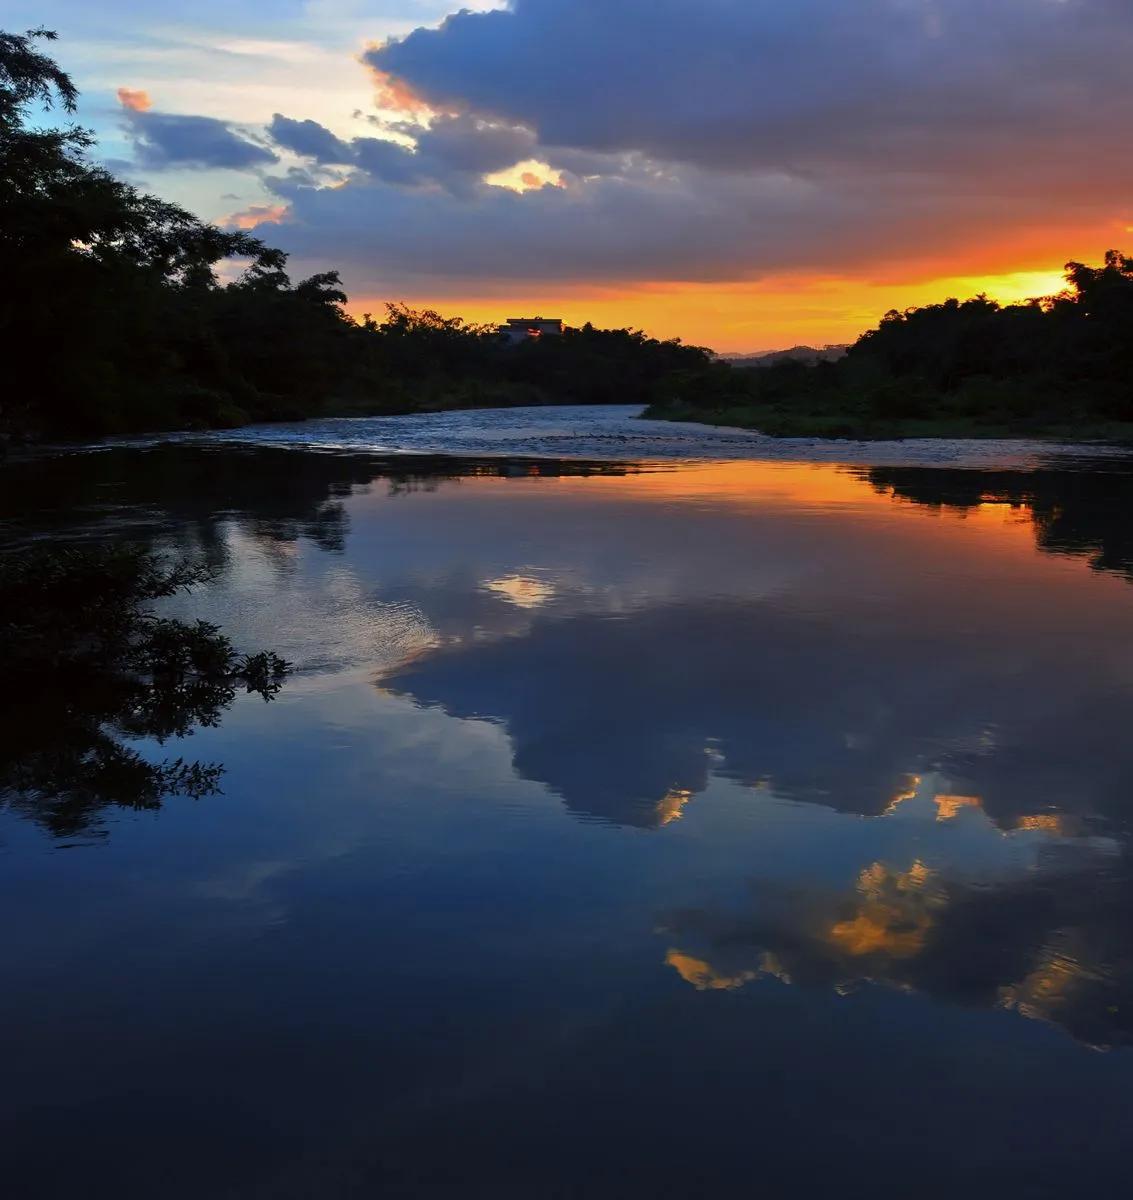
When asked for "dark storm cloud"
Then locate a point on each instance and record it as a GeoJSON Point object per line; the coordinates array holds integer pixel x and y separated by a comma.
{"type": "Point", "coordinates": [644, 223]}
{"type": "Point", "coordinates": [726, 139]}
{"type": "Point", "coordinates": [731, 83]}
{"type": "Point", "coordinates": [173, 140]}
{"type": "Point", "coordinates": [388, 162]}
{"type": "Point", "coordinates": [463, 143]}
{"type": "Point", "coordinates": [452, 153]}
{"type": "Point", "coordinates": [309, 139]}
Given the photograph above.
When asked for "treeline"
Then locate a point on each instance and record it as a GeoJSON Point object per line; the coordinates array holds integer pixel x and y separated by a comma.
{"type": "Point", "coordinates": [1061, 364]}
{"type": "Point", "coordinates": [115, 308]}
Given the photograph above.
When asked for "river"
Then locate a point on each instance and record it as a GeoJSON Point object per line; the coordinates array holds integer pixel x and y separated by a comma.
{"type": "Point", "coordinates": [650, 811]}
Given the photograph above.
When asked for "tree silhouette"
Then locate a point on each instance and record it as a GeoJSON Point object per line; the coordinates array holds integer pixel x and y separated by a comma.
{"type": "Point", "coordinates": [113, 302]}
{"type": "Point", "coordinates": [91, 668]}
{"type": "Point", "coordinates": [1053, 364]}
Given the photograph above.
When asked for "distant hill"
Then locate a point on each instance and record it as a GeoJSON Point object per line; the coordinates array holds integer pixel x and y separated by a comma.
{"type": "Point", "coordinates": [806, 354]}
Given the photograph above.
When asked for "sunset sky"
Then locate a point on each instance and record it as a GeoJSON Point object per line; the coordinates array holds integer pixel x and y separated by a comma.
{"type": "Point", "coordinates": [744, 174]}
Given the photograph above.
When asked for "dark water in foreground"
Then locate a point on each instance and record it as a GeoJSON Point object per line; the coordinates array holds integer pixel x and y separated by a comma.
{"type": "Point", "coordinates": [753, 828]}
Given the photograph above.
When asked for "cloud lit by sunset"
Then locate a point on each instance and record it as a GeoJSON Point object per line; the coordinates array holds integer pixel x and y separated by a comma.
{"type": "Point", "coordinates": [258, 214]}
{"type": "Point", "coordinates": [821, 162]}
{"type": "Point", "coordinates": [134, 99]}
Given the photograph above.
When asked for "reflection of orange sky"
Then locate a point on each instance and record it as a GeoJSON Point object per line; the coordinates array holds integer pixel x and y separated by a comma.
{"type": "Point", "coordinates": [940, 553]}
{"type": "Point", "coordinates": [992, 533]}
{"type": "Point", "coordinates": [794, 487]}
{"type": "Point", "coordinates": [772, 313]}
{"type": "Point", "coordinates": [766, 486]}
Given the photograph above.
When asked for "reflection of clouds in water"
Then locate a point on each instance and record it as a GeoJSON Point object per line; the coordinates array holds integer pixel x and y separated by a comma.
{"type": "Point", "coordinates": [317, 614]}
{"type": "Point", "coordinates": [635, 639]}
{"type": "Point", "coordinates": [783, 616]}
{"type": "Point", "coordinates": [670, 807]}
{"type": "Point", "coordinates": [933, 792]}
{"type": "Point", "coordinates": [618, 713]}
{"type": "Point", "coordinates": [703, 976]}
{"type": "Point", "coordinates": [389, 763]}
{"type": "Point", "coordinates": [892, 916]}
{"type": "Point", "coordinates": [1042, 933]}
{"type": "Point", "coordinates": [1060, 980]}
{"type": "Point", "coordinates": [948, 808]}
{"type": "Point", "coordinates": [524, 591]}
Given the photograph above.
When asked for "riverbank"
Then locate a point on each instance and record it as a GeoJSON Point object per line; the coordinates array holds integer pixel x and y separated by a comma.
{"type": "Point", "coordinates": [783, 422]}
{"type": "Point", "coordinates": [580, 433]}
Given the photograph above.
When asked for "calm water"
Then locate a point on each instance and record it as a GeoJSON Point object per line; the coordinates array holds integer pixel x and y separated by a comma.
{"type": "Point", "coordinates": [746, 828]}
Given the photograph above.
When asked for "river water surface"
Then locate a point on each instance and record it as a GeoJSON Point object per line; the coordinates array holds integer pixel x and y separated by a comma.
{"type": "Point", "coordinates": [650, 812]}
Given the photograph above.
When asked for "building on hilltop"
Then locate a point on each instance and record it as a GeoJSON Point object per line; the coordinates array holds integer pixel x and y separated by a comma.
{"type": "Point", "coordinates": [521, 329]}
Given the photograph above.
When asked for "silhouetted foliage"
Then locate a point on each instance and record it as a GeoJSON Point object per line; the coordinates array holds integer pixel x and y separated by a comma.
{"type": "Point", "coordinates": [111, 295]}
{"type": "Point", "coordinates": [1077, 512]}
{"type": "Point", "coordinates": [93, 668]}
{"type": "Point", "coordinates": [114, 300]}
{"type": "Point", "coordinates": [1059, 364]}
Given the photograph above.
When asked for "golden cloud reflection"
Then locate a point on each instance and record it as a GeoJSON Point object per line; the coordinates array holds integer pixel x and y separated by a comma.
{"type": "Point", "coordinates": [1052, 823]}
{"type": "Point", "coordinates": [933, 790]}
{"type": "Point", "coordinates": [703, 976]}
{"type": "Point", "coordinates": [894, 915]}
{"type": "Point", "coordinates": [909, 792]}
{"type": "Point", "coordinates": [948, 808]}
{"type": "Point", "coordinates": [1043, 946]}
{"type": "Point", "coordinates": [524, 591]}
{"type": "Point", "coordinates": [1052, 987]}
{"type": "Point", "coordinates": [706, 978]}
{"type": "Point", "coordinates": [670, 807]}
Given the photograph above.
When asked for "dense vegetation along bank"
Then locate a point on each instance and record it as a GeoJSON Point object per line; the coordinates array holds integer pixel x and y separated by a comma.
{"type": "Point", "coordinates": [1057, 367]}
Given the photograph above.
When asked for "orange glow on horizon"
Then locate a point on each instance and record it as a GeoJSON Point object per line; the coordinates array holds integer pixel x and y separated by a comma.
{"type": "Point", "coordinates": [752, 316]}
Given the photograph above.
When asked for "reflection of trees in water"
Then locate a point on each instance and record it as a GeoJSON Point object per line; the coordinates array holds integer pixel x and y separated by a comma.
{"type": "Point", "coordinates": [90, 669]}
{"type": "Point", "coordinates": [190, 493]}
{"type": "Point", "coordinates": [628, 719]}
{"type": "Point", "coordinates": [1080, 512]}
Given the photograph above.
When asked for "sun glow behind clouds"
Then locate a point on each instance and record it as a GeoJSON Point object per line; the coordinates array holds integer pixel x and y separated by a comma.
{"type": "Point", "coordinates": [531, 173]}
{"type": "Point", "coordinates": [318, 64]}
{"type": "Point", "coordinates": [737, 318]}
